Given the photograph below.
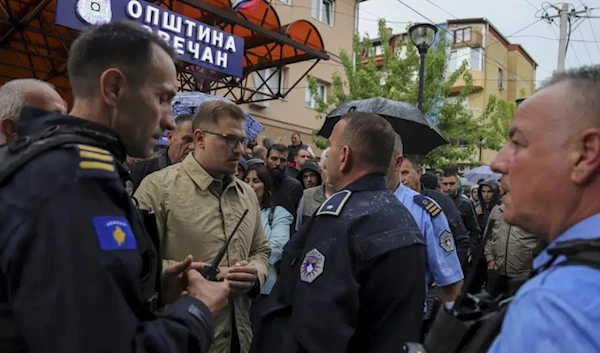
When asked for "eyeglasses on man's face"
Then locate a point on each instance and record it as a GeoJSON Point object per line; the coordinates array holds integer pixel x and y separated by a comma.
{"type": "Point", "coordinates": [232, 140]}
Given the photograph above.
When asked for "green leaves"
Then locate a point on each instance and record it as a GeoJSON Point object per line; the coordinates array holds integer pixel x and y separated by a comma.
{"type": "Point", "coordinates": [392, 72]}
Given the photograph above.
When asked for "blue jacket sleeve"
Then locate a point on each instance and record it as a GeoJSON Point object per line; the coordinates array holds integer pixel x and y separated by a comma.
{"type": "Point", "coordinates": [280, 233]}
{"type": "Point", "coordinates": [441, 252]}
{"type": "Point", "coordinates": [72, 291]}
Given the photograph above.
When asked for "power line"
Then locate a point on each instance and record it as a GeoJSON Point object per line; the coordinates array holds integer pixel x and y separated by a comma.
{"type": "Point", "coordinates": [586, 48]}
{"type": "Point", "coordinates": [555, 35]}
{"type": "Point", "coordinates": [553, 39]}
{"type": "Point", "coordinates": [532, 5]}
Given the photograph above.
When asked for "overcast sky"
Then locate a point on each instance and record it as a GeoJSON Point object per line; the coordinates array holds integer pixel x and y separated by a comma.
{"type": "Point", "coordinates": [509, 16]}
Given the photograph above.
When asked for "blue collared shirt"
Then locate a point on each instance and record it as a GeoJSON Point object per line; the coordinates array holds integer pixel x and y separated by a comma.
{"type": "Point", "coordinates": [559, 309]}
{"type": "Point", "coordinates": [442, 265]}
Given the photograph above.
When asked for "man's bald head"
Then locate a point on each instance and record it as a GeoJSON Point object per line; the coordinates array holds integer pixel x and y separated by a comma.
{"type": "Point", "coordinates": [16, 94]}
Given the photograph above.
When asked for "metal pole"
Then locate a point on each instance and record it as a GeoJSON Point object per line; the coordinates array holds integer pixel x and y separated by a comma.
{"type": "Point", "coordinates": [562, 46]}
{"type": "Point", "coordinates": [356, 32]}
{"type": "Point", "coordinates": [421, 79]}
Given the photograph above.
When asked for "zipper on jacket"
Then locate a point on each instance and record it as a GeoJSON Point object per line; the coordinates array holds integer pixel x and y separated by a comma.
{"type": "Point", "coordinates": [506, 252]}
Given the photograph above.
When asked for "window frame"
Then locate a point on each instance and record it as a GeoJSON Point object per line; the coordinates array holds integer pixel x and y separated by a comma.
{"type": "Point", "coordinates": [463, 32]}
{"type": "Point", "coordinates": [319, 11]}
{"type": "Point", "coordinates": [309, 100]}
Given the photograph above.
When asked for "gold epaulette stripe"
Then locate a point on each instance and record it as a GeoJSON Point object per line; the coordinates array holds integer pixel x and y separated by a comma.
{"type": "Point", "coordinates": [97, 166]}
{"type": "Point", "coordinates": [435, 213]}
{"type": "Point", "coordinates": [430, 206]}
{"type": "Point", "coordinates": [93, 149]}
{"type": "Point", "coordinates": [96, 155]}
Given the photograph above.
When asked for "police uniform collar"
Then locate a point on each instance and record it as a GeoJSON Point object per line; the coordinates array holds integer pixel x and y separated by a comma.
{"type": "Point", "coordinates": [200, 176]}
{"type": "Point", "coordinates": [373, 181]}
{"type": "Point", "coordinates": [33, 120]}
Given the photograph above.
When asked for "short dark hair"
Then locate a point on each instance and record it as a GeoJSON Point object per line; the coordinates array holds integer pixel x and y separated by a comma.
{"type": "Point", "coordinates": [450, 173]}
{"type": "Point", "coordinates": [123, 45]}
{"type": "Point", "coordinates": [209, 113]}
{"type": "Point", "coordinates": [279, 148]}
{"type": "Point", "coordinates": [430, 181]}
{"type": "Point", "coordinates": [181, 118]}
{"type": "Point", "coordinates": [263, 174]}
{"type": "Point", "coordinates": [297, 134]}
{"type": "Point", "coordinates": [301, 149]}
{"type": "Point", "coordinates": [371, 137]}
{"type": "Point", "coordinates": [414, 160]}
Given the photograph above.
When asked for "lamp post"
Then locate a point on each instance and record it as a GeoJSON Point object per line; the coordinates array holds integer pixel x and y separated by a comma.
{"type": "Point", "coordinates": [422, 35]}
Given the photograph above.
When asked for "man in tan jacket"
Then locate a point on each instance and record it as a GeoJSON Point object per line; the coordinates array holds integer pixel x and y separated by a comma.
{"type": "Point", "coordinates": [508, 251]}
{"type": "Point", "coordinates": [198, 202]}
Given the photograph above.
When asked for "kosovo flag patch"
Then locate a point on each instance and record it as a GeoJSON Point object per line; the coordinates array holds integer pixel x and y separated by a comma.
{"type": "Point", "coordinates": [114, 233]}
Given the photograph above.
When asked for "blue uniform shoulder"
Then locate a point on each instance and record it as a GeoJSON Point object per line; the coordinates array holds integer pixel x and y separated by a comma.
{"type": "Point", "coordinates": [333, 205]}
{"type": "Point", "coordinates": [93, 162]}
{"type": "Point", "coordinates": [428, 204]}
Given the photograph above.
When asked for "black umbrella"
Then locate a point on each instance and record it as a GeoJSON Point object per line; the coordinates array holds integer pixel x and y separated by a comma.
{"type": "Point", "coordinates": [419, 136]}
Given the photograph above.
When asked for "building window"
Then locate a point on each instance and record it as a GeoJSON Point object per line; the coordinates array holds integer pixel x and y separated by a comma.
{"type": "Point", "coordinates": [378, 50]}
{"type": "Point", "coordinates": [287, 2]}
{"type": "Point", "coordinates": [476, 62]}
{"type": "Point", "coordinates": [462, 35]}
{"type": "Point", "coordinates": [452, 62]}
{"type": "Point", "coordinates": [322, 10]}
{"type": "Point", "coordinates": [501, 85]}
{"type": "Point", "coordinates": [321, 91]}
{"type": "Point", "coordinates": [268, 82]}
{"type": "Point", "coordinates": [454, 100]}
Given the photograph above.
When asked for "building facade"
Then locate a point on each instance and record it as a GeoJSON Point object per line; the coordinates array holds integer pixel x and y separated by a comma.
{"type": "Point", "coordinates": [498, 67]}
{"type": "Point", "coordinates": [335, 21]}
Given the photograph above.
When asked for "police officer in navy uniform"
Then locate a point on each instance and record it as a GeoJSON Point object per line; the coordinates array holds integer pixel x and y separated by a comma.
{"type": "Point", "coordinates": [353, 278]}
{"type": "Point", "coordinates": [78, 271]}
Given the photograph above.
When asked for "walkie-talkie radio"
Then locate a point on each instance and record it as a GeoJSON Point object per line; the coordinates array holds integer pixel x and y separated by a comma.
{"type": "Point", "coordinates": [210, 271]}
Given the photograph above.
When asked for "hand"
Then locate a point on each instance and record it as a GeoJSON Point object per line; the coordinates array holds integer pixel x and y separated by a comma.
{"type": "Point", "coordinates": [491, 265]}
{"type": "Point", "coordinates": [223, 271]}
{"type": "Point", "coordinates": [242, 277]}
{"type": "Point", "coordinates": [212, 294]}
{"type": "Point", "coordinates": [478, 209]}
{"type": "Point", "coordinates": [174, 280]}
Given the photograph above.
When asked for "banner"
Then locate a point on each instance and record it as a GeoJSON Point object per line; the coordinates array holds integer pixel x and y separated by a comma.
{"type": "Point", "coordinates": [195, 42]}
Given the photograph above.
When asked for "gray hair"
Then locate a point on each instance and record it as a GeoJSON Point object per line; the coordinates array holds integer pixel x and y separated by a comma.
{"type": "Point", "coordinates": [12, 96]}
{"type": "Point", "coordinates": [259, 152]}
{"type": "Point", "coordinates": [586, 80]}
{"type": "Point", "coordinates": [324, 156]}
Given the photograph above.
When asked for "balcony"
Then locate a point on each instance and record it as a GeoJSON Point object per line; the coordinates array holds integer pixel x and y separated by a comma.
{"type": "Point", "coordinates": [478, 81]}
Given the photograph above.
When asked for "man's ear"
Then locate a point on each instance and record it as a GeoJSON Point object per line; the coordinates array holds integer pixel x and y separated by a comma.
{"type": "Point", "coordinates": [419, 172]}
{"type": "Point", "coordinates": [199, 138]}
{"type": "Point", "coordinates": [112, 83]}
{"type": "Point", "coordinates": [398, 162]}
{"type": "Point", "coordinates": [584, 155]}
{"type": "Point", "coordinates": [169, 136]}
{"type": "Point", "coordinates": [345, 162]}
{"type": "Point", "coordinates": [8, 128]}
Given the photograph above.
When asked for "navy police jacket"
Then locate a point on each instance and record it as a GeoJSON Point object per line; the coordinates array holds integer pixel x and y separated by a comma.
{"type": "Point", "coordinates": [352, 278]}
{"type": "Point", "coordinates": [74, 257]}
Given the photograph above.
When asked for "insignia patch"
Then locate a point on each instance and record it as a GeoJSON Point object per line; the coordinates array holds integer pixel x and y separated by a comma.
{"type": "Point", "coordinates": [427, 204]}
{"type": "Point", "coordinates": [95, 162]}
{"type": "Point", "coordinates": [446, 241]}
{"type": "Point", "coordinates": [94, 12]}
{"type": "Point", "coordinates": [114, 233]}
{"type": "Point", "coordinates": [333, 205]}
{"type": "Point", "coordinates": [312, 266]}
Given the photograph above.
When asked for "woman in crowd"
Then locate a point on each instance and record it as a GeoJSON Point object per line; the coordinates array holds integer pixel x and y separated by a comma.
{"type": "Point", "coordinates": [277, 223]}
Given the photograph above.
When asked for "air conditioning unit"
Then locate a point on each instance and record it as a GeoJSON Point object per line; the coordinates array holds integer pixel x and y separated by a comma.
{"type": "Point", "coordinates": [261, 103]}
{"type": "Point", "coordinates": [502, 85]}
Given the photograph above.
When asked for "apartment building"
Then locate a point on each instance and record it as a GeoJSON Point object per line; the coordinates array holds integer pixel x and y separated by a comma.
{"type": "Point", "coordinates": [335, 21]}
{"type": "Point", "coordinates": [499, 67]}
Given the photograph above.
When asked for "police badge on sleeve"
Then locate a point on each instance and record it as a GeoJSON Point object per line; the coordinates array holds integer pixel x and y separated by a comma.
{"type": "Point", "coordinates": [312, 266]}
{"type": "Point", "coordinates": [446, 241]}
{"type": "Point", "coordinates": [94, 12]}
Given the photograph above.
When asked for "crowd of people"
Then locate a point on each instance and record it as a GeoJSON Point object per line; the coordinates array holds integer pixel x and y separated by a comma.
{"type": "Point", "coordinates": [105, 239]}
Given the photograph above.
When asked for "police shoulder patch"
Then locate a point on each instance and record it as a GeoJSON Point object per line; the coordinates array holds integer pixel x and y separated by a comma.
{"type": "Point", "coordinates": [114, 233]}
{"type": "Point", "coordinates": [427, 204]}
{"type": "Point", "coordinates": [312, 266]}
{"type": "Point", "coordinates": [333, 205]}
{"type": "Point", "coordinates": [95, 162]}
{"type": "Point", "coordinates": [446, 241]}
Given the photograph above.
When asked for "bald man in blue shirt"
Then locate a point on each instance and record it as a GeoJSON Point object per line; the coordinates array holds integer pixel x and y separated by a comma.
{"type": "Point", "coordinates": [558, 310]}
{"type": "Point", "coordinates": [443, 265]}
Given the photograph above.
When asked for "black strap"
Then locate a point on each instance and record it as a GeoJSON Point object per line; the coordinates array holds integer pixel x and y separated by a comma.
{"type": "Point", "coordinates": [16, 154]}
{"type": "Point", "coordinates": [162, 161]}
{"type": "Point", "coordinates": [271, 215]}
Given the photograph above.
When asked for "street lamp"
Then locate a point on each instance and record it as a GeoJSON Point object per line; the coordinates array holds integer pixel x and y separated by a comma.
{"type": "Point", "coordinates": [422, 35]}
